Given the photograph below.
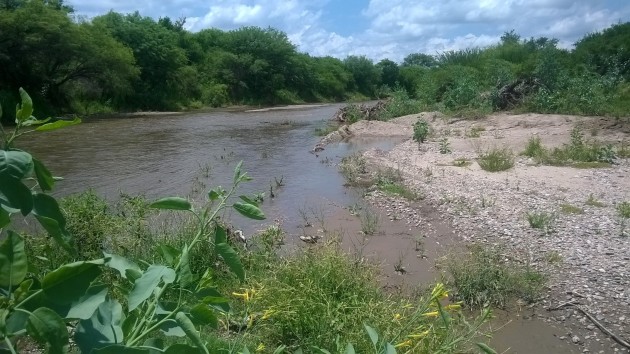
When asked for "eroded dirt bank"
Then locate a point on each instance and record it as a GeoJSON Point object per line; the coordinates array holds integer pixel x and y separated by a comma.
{"type": "Point", "coordinates": [584, 253]}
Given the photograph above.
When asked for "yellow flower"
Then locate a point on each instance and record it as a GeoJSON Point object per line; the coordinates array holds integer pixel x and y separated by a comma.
{"type": "Point", "coordinates": [404, 344]}
{"type": "Point", "coordinates": [246, 295]}
{"type": "Point", "coordinates": [260, 348]}
{"type": "Point", "coordinates": [431, 314]}
{"type": "Point", "coordinates": [267, 314]}
{"type": "Point", "coordinates": [397, 317]}
{"type": "Point", "coordinates": [439, 292]}
{"type": "Point", "coordinates": [453, 307]}
{"type": "Point", "coordinates": [418, 335]}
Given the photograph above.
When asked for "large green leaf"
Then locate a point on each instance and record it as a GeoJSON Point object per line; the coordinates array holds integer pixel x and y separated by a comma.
{"type": "Point", "coordinates": [372, 333]}
{"type": "Point", "coordinates": [101, 330]}
{"type": "Point", "coordinates": [203, 315]}
{"type": "Point", "coordinates": [44, 177]}
{"type": "Point", "coordinates": [58, 124]}
{"type": "Point", "coordinates": [156, 343]}
{"type": "Point", "coordinates": [350, 349]}
{"type": "Point", "coordinates": [46, 206]}
{"type": "Point", "coordinates": [144, 286]}
{"type": "Point", "coordinates": [15, 195]}
{"type": "Point", "coordinates": [249, 211]}
{"type": "Point", "coordinates": [231, 259]}
{"type": "Point", "coordinates": [186, 277]}
{"type": "Point", "coordinates": [172, 203]}
{"type": "Point", "coordinates": [60, 235]}
{"type": "Point", "coordinates": [486, 349]}
{"type": "Point", "coordinates": [25, 110]}
{"type": "Point", "coordinates": [390, 349]}
{"type": "Point", "coordinates": [84, 308]}
{"type": "Point", "coordinates": [220, 235]}
{"type": "Point", "coordinates": [15, 164]}
{"type": "Point", "coordinates": [212, 297]}
{"type": "Point", "coordinates": [189, 328]}
{"type": "Point", "coordinates": [13, 262]}
{"type": "Point", "coordinates": [46, 327]}
{"type": "Point", "coordinates": [5, 218]}
{"type": "Point", "coordinates": [47, 212]}
{"type": "Point", "coordinates": [68, 283]}
{"type": "Point", "coordinates": [121, 264]}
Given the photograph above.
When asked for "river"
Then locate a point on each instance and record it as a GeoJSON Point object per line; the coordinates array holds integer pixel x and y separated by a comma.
{"type": "Point", "coordinates": [186, 154]}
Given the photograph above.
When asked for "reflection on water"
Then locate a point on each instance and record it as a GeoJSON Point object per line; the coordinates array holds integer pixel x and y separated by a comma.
{"type": "Point", "coordinates": [172, 155]}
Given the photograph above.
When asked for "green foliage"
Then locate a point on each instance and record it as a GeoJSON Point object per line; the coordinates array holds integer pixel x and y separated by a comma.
{"type": "Point", "coordinates": [484, 277]}
{"type": "Point", "coordinates": [496, 160]}
{"type": "Point", "coordinates": [290, 303]}
{"type": "Point", "coordinates": [623, 209]}
{"type": "Point", "coordinates": [571, 209]}
{"type": "Point", "coordinates": [541, 220]}
{"type": "Point", "coordinates": [41, 308]}
{"type": "Point", "coordinates": [420, 130]}
{"type": "Point", "coordinates": [399, 104]}
{"type": "Point", "coordinates": [445, 146]}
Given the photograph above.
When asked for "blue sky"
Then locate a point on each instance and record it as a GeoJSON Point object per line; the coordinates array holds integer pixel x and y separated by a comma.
{"type": "Point", "coordinates": [385, 28]}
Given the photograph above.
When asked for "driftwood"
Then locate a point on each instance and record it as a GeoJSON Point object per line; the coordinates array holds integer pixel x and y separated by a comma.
{"type": "Point", "coordinates": [572, 303]}
{"type": "Point", "coordinates": [513, 93]}
{"type": "Point", "coordinates": [366, 112]}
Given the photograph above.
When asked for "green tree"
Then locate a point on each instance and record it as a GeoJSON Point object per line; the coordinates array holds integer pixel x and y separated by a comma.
{"type": "Point", "coordinates": [389, 72]}
{"type": "Point", "coordinates": [366, 76]}
{"type": "Point", "coordinates": [420, 59]}
{"type": "Point", "coordinates": [164, 76]}
{"type": "Point", "coordinates": [42, 49]}
{"type": "Point", "coordinates": [607, 51]}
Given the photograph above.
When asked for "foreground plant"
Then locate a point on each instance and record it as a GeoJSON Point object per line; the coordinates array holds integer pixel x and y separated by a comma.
{"type": "Point", "coordinates": [153, 298]}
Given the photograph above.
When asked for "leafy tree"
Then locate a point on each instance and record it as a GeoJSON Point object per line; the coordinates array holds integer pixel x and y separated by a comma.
{"type": "Point", "coordinates": [158, 55]}
{"type": "Point", "coordinates": [607, 51]}
{"type": "Point", "coordinates": [55, 54]}
{"type": "Point", "coordinates": [420, 59]}
{"type": "Point", "coordinates": [366, 76]}
{"type": "Point", "coordinates": [389, 72]}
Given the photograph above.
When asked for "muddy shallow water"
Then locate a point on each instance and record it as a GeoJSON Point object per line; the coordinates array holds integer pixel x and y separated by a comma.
{"type": "Point", "coordinates": [187, 154]}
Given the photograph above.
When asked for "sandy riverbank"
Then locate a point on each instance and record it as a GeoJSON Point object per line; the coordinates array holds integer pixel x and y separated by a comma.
{"type": "Point", "coordinates": [590, 255]}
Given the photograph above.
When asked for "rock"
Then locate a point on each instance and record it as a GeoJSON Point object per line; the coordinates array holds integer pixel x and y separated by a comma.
{"type": "Point", "coordinates": [575, 339]}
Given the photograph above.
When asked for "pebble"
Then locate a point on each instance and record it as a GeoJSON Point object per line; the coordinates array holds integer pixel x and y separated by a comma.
{"type": "Point", "coordinates": [590, 257]}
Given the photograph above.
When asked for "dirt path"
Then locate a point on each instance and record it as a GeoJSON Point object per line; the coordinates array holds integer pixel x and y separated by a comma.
{"type": "Point", "coordinates": [585, 255]}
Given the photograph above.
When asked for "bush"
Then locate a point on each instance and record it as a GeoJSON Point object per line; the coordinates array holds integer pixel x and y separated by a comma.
{"type": "Point", "coordinates": [541, 220]}
{"type": "Point", "coordinates": [496, 160]}
{"type": "Point", "coordinates": [420, 130]}
{"type": "Point", "coordinates": [485, 277]}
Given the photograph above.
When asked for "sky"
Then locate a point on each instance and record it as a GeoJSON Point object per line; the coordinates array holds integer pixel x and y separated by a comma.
{"type": "Point", "coordinates": [382, 29]}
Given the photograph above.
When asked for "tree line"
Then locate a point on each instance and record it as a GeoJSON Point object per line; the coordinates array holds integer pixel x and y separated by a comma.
{"type": "Point", "coordinates": [124, 62]}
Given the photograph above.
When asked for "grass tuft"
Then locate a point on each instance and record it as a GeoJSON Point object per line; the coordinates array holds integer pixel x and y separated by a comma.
{"type": "Point", "coordinates": [496, 160]}
{"type": "Point", "coordinates": [571, 209]}
{"type": "Point", "coordinates": [485, 277]}
{"type": "Point", "coordinates": [541, 220]}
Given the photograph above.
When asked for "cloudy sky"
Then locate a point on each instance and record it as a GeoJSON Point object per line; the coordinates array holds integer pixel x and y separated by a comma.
{"type": "Point", "coordinates": [385, 28]}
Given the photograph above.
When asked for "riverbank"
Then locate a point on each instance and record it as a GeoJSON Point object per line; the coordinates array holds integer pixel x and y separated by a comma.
{"type": "Point", "coordinates": [583, 250]}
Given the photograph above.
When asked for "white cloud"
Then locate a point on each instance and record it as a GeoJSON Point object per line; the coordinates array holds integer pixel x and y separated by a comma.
{"type": "Point", "coordinates": [394, 28]}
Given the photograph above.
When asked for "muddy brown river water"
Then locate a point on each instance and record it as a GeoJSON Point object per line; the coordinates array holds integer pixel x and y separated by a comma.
{"type": "Point", "coordinates": [186, 154]}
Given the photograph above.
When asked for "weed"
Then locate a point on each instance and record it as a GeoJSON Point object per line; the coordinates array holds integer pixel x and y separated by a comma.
{"type": "Point", "coordinates": [326, 129]}
{"type": "Point", "coordinates": [369, 222]}
{"type": "Point", "coordinates": [553, 257]}
{"type": "Point", "coordinates": [485, 277]}
{"type": "Point", "coordinates": [541, 220]}
{"type": "Point", "coordinates": [420, 130]}
{"type": "Point", "coordinates": [487, 201]}
{"type": "Point", "coordinates": [623, 151]}
{"type": "Point", "coordinates": [445, 146]}
{"type": "Point", "coordinates": [592, 201]}
{"type": "Point", "coordinates": [496, 160]}
{"type": "Point", "coordinates": [461, 162]}
{"type": "Point", "coordinates": [571, 209]}
{"type": "Point", "coordinates": [353, 167]}
{"type": "Point", "coordinates": [475, 131]}
{"type": "Point", "coordinates": [623, 209]}
{"type": "Point", "coordinates": [535, 149]}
